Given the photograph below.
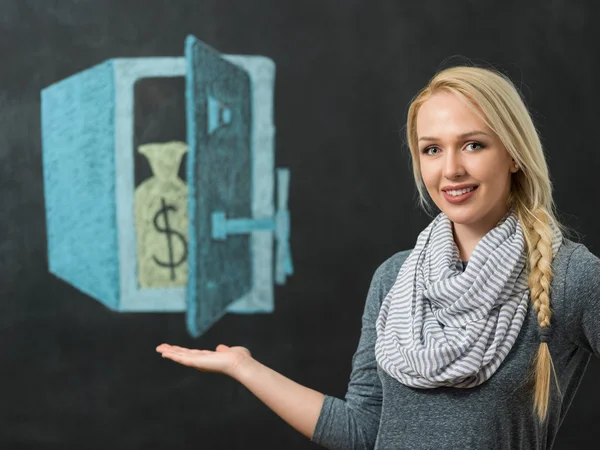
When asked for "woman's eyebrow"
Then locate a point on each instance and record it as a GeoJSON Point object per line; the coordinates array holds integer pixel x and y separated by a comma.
{"type": "Point", "coordinates": [462, 136]}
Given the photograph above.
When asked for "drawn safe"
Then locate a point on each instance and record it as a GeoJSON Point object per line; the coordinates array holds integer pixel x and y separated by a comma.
{"type": "Point", "coordinates": [207, 245]}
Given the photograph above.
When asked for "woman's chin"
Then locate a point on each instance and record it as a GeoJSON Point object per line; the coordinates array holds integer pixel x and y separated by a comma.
{"type": "Point", "coordinates": [464, 217]}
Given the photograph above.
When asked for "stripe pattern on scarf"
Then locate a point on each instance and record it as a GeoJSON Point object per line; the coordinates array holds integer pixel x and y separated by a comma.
{"type": "Point", "coordinates": [442, 326]}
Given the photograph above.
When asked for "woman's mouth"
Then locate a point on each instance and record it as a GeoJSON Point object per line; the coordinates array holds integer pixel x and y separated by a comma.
{"type": "Point", "coordinates": [460, 195]}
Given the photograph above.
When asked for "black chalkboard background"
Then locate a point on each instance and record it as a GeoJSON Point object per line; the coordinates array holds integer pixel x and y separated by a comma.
{"type": "Point", "coordinates": [74, 374]}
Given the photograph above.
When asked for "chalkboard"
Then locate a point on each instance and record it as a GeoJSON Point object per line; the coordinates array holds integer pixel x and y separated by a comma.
{"type": "Point", "coordinates": [76, 374]}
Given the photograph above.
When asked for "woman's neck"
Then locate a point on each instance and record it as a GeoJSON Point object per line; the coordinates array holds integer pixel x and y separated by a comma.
{"type": "Point", "coordinates": [466, 240]}
{"type": "Point", "coordinates": [468, 236]}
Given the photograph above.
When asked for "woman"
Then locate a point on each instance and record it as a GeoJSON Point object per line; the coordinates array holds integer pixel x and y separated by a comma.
{"type": "Point", "coordinates": [455, 349]}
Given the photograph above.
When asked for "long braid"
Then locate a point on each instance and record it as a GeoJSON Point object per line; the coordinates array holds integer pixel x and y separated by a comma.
{"type": "Point", "coordinates": [540, 278]}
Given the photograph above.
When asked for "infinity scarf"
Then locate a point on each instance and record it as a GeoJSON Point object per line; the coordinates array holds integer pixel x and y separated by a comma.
{"type": "Point", "coordinates": [440, 326]}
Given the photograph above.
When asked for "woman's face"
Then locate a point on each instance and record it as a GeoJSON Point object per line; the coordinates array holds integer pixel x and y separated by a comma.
{"type": "Point", "coordinates": [457, 150]}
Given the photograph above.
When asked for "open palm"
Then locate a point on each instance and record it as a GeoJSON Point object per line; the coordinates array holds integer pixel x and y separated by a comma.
{"type": "Point", "coordinates": [223, 360]}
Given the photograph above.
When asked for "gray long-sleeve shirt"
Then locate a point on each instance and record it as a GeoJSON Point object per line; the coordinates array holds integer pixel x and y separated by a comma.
{"type": "Point", "coordinates": [379, 412]}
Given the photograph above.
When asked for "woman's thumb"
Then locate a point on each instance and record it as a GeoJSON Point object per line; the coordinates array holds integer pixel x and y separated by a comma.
{"type": "Point", "coordinates": [222, 347]}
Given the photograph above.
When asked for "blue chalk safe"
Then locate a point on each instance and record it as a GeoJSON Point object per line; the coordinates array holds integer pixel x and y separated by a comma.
{"type": "Point", "coordinates": [238, 241]}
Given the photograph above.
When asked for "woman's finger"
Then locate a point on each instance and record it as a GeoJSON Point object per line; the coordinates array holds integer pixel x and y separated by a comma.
{"type": "Point", "coordinates": [203, 363]}
{"type": "Point", "coordinates": [179, 358]}
{"type": "Point", "coordinates": [186, 351]}
{"type": "Point", "coordinates": [179, 350]}
{"type": "Point", "coordinates": [166, 349]}
{"type": "Point", "coordinates": [177, 347]}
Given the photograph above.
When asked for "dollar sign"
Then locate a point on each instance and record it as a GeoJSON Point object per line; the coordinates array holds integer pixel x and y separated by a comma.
{"type": "Point", "coordinates": [164, 212]}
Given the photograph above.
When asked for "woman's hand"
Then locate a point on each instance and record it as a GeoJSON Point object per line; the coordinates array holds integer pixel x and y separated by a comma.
{"type": "Point", "coordinates": [225, 360]}
{"type": "Point", "coordinates": [296, 404]}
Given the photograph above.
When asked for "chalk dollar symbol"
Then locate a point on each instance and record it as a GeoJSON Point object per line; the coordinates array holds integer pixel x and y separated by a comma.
{"type": "Point", "coordinates": [169, 232]}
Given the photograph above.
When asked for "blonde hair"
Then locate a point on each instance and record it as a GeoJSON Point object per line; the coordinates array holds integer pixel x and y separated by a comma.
{"type": "Point", "coordinates": [497, 101]}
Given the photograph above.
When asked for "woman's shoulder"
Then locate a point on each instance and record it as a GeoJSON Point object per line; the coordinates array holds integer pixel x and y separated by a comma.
{"type": "Point", "coordinates": [392, 265]}
{"type": "Point", "coordinates": [575, 259]}
{"type": "Point", "coordinates": [578, 266]}
{"type": "Point", "coordinates": [576, 290]}
{"type": "Point", "coordinates": [388, 270]}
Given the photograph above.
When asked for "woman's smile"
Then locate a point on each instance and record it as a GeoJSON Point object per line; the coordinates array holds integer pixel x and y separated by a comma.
{"type": "Point", "coordinates": [459, 196]}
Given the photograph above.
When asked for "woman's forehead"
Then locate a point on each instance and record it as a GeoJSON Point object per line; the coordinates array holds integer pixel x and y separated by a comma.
{"type": "Point", "coordinates": [446, 112]}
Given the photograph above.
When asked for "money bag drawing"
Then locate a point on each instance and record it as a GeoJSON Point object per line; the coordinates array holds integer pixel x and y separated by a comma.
{"type": "Point", "coordinates": [209, 242]}
{"type": "Point", "coordinates": [160, 205]}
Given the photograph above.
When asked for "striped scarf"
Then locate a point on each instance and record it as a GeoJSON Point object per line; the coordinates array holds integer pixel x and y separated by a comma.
{"type": "Point", "coordinates": [440, 326]}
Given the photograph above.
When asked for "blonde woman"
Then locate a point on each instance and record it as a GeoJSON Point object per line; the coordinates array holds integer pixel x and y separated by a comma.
{"type": "Point", "coordinates": [478, 337]}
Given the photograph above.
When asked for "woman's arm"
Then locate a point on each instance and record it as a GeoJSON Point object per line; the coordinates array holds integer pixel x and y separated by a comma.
{"type": "Point", "coordinates": [298, 405]}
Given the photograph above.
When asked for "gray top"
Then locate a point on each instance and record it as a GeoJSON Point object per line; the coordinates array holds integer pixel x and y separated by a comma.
{"type": "Point", "coordinates": [379, 412]}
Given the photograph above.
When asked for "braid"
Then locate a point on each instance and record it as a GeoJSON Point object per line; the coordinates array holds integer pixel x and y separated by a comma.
{"type": "Point", "coordinates": [540, 277]}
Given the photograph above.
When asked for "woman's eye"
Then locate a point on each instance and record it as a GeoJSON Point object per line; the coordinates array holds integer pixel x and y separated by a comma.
{"type": "Point", "coordinates": [476, 144]}
{"type": "Point", "coordinates": [432, 151]}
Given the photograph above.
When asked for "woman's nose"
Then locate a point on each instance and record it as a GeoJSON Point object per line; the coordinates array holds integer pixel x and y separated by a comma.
{"type": "Point", "coordinates": [453, 165]}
